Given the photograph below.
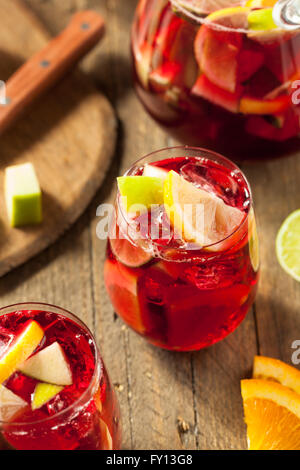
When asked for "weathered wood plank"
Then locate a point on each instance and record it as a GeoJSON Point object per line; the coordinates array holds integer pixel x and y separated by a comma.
{"type": "Point", "coordinates": [275, 186]}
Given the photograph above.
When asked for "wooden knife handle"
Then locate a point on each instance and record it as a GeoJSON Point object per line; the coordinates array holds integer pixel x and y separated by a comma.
{"type": "Point", "coordinates": [49, 65]}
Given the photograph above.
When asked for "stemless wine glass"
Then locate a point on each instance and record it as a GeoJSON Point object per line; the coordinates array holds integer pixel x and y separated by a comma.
{"type": "Point", "coordinates": [178, 295]}
{"type": "Point", "coordinates": [81, 416]}
{"type": "Point", "coordinates": [224, 77]}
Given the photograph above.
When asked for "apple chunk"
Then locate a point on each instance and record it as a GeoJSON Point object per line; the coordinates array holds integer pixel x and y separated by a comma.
{"type": "Point", "coordinates": [49, 365]}
{"type": "Point", "coordinates": [10, 404]}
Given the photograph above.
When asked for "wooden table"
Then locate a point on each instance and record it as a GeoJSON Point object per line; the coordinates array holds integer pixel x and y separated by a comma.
{"type": "Point", "coordinates": [168, 401]}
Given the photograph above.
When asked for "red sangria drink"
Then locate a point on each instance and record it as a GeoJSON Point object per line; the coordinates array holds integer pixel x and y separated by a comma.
{"type": "Point", "coordinates": [219, 74]}
{"type": "Point", "coordinates": [182, 256]}
{"type": "Point", "coordinates": [55, 393]}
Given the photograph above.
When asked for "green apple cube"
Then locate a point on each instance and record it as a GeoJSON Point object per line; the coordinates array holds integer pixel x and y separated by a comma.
{"type": "Point", "coordinates": [261, 19]}
{"type": "Point", "coordinates": [23, 195]}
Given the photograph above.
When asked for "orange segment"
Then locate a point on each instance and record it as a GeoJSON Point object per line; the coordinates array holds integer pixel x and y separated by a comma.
{"type": "Point", "coordinates": [23, 346]}
{"type": "Point", "coordinates": [272, 369]}
{"type": "Point", "coordinates": [272, 415]}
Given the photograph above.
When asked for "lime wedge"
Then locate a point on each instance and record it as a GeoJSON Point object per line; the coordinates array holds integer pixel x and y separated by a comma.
{"type": "Point", "coordinates": [140, 192]}
{"type": "Point", "coordinates": [288, 245]}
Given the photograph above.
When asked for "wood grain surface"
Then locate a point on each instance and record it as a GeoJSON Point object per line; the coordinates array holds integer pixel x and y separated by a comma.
{"type": "Point", "coordinates": [68, 130]}
{"type": "Point", "coordinates": [168, 400]}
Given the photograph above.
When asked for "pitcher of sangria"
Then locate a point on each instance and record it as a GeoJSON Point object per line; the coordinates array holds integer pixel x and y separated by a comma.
{"type": "Point", "coordinates": [220, 74]}
{"type": "Point", "coordinates": [182, 257]}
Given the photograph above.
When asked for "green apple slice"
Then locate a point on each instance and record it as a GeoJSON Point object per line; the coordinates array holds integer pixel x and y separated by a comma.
{"type": "Point", "coordinates": [140, 192]}
{"type": "Point", "coordinates": [43, 393]}
{"type": "Point", "coordinates": [261, 20]}
{"type": "Point", "coordinates": [49, 365]}
{"type": "Point", "coordinates": [10, 403]}
{"type": "Point", "coordinates": [23, 195]}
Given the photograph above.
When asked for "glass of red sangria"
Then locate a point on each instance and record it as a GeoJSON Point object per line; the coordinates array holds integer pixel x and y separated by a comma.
{"type": "Point", "coordinates": [219, 74]}
{"type": "Point", "coordinates": [55, 393]}
{"type": "Point", "coordinates": [182, 256]}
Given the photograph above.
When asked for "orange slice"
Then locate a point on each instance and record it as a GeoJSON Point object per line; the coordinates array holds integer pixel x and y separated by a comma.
{"type": "Point", "coordinates": [273, 369]}
{"type": "Point", "coordinates": [23, 346]}
{"type": "Point", "coordinates": [272, 415]}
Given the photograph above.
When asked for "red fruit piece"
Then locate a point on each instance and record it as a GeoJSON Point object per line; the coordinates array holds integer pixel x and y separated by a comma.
{"type": "Point", "coordinates": [267, 128]}
{"type": "Point", "coordinates": [208, 90]}
{"type": "Point", "coordinates": [249, 61]}
{"type": "Point", "coordinates": [280, 60]}
{"type": "Point", "coordinates": [129, 254]}
{"type": "Point", "coordinates": [121, 285]}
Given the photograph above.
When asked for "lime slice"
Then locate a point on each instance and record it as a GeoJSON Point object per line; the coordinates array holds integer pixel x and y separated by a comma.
{"type": "Point", "coordinates": [23, 346]}
{"type": "Point", "coordinates": [140, 192]}
{"type": "Point", "coordinates": [288, 245]}
{"type": "Point", "coordinates": [201, 217]}
{"type": "Point", "coordinates": [43, 393]}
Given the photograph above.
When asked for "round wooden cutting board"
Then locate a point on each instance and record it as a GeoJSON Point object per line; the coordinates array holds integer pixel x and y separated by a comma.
{"type": "Point", "coordinates": [69, 136]}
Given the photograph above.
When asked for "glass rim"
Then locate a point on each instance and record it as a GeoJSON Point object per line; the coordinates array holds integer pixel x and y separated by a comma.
{"type": "Point", "coordinates": [217, 155]}
{"type": "Point", "coordinates": [98, 371]}
{"type": "Point", "coordinates": [193, 16]}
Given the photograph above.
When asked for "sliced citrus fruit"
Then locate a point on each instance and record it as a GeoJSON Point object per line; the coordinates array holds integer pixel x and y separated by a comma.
{"type": "Point", "coordinates": [23, 346]}
{"type": "Point", "coordinates": [232, 17]}
{"type": "Point", "coordinates": [251, 105]}
{"type": "Point", "coordinates": [10, 403]}
{"type": "Point", "coordinates": [140, 192]}
{"type": "Point", "coordinates": [198, 215]}
{"type": "Point", "coordinates": [288, 245]}
{"type": "Point", "coordinates": [130, 255]}
{"type": "Point", "coordinates": [106, 439]}
{"type": "Point", "coordinates": [49, 365]}
{"type": "Point", "coordinates": [217, 58]}
{"type": "Point", "coordinates": [204, 7]}
{"type": "Point", "coordinates": [253, 241]}
{"type": "Point", "coordinates": [272, 415]}
{"type": "Point", "coordinates": [273, 369]}
{"type": "Point", "coordinates": [260, 3]}
{"type": "Point", "coordinates": [43, 393]}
